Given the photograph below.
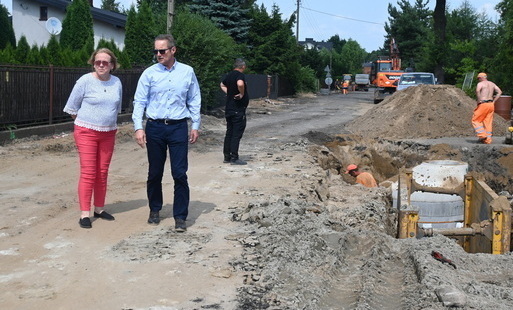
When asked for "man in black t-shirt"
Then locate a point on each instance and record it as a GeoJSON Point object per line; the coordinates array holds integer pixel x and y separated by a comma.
{"type": "Point", "coordinates": [234, 86]}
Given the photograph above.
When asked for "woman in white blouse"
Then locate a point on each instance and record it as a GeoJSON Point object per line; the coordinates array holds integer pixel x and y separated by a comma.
{"type": "Point", "coordinates": [94, 104]}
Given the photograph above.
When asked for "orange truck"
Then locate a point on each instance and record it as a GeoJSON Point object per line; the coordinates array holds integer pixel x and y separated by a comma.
{"type": "Point", "coordinates": [385, 73]}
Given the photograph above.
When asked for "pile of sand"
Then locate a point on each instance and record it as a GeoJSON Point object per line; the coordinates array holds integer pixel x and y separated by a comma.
{"type": "Point", "coordinates": [425, 111]}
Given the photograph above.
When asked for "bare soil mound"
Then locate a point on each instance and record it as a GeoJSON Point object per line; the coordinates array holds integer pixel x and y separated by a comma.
{"type": "Point", "coordinates": [425, 111]}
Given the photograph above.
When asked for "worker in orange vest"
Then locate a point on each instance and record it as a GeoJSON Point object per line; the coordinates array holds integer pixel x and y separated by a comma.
{"type": "Point", "coordinates": [345, 86]}
{"type": "Point", "coordinates": [364, 178]}
{"type": "Point", "coordinates": [483, 113]}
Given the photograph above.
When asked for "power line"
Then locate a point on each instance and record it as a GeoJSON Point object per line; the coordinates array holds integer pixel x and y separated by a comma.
{"type": "Point", "coordinates": [358, 20]}
{"type": "Point", "coordinates": [312, 23]}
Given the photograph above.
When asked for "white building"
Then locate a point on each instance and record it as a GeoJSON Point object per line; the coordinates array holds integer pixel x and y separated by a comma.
{"type": "Point", "coordinates": [29, 19]}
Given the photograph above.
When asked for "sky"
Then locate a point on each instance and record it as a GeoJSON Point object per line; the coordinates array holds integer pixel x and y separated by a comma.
{"type": "Point", "coordinates": [360, 20]}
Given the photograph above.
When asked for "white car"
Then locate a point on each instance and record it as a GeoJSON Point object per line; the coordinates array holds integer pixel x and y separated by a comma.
{"type": "Point", "coordinates": [414, 79]}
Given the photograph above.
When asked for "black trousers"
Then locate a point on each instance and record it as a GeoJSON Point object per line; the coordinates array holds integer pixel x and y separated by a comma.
{"type": "Point", "coordinates": [235, 126]}
{"type": "Point", "coordinates": [160, 139]}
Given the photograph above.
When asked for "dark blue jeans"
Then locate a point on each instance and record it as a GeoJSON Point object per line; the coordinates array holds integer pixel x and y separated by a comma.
{"type": "Point", "coordinates": [159, 139]}
{"type": "Point", "coordinates": [235, 126]}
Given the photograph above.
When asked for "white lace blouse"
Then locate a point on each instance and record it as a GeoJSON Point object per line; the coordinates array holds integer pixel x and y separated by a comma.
{"type": "Point", "coordinates": [96, 103]}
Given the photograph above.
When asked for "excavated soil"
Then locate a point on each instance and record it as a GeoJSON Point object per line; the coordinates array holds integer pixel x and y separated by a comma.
{"type": "Point", "coordinates": [426, 111]}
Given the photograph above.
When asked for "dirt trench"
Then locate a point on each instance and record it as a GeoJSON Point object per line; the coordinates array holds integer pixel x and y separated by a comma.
{"type": "Point", "coordinates": [335, 246]}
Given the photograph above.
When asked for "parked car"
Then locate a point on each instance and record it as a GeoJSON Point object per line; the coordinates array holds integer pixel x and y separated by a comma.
{"type": "Point", "coordinates": [409, 79]}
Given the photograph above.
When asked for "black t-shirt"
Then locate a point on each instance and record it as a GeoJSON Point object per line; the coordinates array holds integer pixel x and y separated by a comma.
{"type": "Point", "coordinates": [232, 104]}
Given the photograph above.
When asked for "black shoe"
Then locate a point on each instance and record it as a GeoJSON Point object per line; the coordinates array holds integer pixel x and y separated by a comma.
{"type": "Point", "coordinates": [85, 222]}
{"type": "Point", "coordinates": [180, 225]}
{"type": "Point", "coordinates": [154, 218]}
{"type": "Point", "coordinates": [226, 160]}
{"type": "Point", "coordinates": [238, 162]}
{"type": "Point", "coordinates": [104, 215]}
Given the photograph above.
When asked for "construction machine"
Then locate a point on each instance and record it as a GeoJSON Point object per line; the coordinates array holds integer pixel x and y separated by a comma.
{"type": "Point", "coordinates": [385, 72]}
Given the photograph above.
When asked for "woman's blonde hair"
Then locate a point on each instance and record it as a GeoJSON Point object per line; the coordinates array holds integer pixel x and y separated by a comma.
{"type": "Point", "coordinates": [113, 58]}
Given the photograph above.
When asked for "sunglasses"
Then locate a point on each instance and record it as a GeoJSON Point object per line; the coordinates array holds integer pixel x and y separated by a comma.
{"type": "Point", "coordinates": [161, 52]}
{"type": "Point", "coordinates": [100, 63]}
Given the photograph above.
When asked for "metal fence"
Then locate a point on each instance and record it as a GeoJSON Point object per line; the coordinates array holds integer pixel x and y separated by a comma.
{"type": "Point", "coordinates": [31, 96]}
{"type": "Point", "coordinates": [36, 95]}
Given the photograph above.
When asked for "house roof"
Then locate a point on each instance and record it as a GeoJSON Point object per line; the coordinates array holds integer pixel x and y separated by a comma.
{"type": "Point", "coordinates": [113, 18]}
{"type": "Point", "coordinates": [317, 45]}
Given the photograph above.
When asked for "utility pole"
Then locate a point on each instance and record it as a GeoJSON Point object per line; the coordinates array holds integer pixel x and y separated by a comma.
{"type": "Point", "coordinates": [170, 14]}
{"type": "Point", "coordinates": [297, 20]}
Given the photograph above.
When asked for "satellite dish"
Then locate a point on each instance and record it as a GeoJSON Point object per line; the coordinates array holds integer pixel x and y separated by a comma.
{"type": "Point", "coordinates": [54, 25]}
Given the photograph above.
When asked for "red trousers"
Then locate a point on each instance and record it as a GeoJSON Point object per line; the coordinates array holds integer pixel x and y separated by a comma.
{"type": "Point", "coordinates": [95, 150]}
{"type": "Point", "coordinates": [482, 120]}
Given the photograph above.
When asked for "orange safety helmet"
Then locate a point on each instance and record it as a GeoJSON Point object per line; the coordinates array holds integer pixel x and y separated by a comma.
{"type": "Point", "coordinates": [482, 75]}
{"type": "Point", "coordinates": [351, 168]}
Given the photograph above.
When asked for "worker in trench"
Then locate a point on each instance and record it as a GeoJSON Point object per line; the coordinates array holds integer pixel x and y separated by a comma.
{"type": "Point", "coordinates": [364, 178]}
{"type": "Point", "coordinates": [483, 114]}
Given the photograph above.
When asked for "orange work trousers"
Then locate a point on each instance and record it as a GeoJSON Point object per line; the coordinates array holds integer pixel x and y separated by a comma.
{"type": "Point", "coordinates": [482, 120]}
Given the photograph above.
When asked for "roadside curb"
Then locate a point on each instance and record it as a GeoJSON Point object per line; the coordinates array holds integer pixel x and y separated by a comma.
{"type": "Point", "coordinates": [47, 130]}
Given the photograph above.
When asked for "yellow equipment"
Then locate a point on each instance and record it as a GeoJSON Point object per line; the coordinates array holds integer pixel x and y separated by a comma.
{"type": "Point", "coordinates": [487, 218]}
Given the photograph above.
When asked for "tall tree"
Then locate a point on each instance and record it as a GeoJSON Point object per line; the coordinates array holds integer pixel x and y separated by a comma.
{"type": "Point", "coordinates": [354, 56]}
{"type": "Point", "coordinates": [140, 34]}
{"type": "Point", "coordinates": [469, 36]}
{"type": "Point", "coordinates": [230, 16]}
{"type": "Point", "coordinates": [131, 33]}
{"type": "Point", "coordinates": [159, 11]}
{"type": "Point", "coordinates": [503, 65]}
{"type": "Point", "coordinates": [408, 25]}
{"type": "Point", "coordinates": [440, 23]}
{"type": "Point", "coordinates": [77, 27]}
{"type": "Point", "coordinates": [194, 32]}
{"type": "Point", "coordinates": [110, 5]}
{"type": "Point", "coordinates": [6, 30]}
{"type": "Point", "coordinates": [311, 58]}
{"type": "Point", "coordinates": [338, 43]}
{"type": "Point", "coordinates": [272, 42]}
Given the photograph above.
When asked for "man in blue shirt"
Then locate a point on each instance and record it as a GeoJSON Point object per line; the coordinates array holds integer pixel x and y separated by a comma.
{"type": "Point", "coordinates": [170, 94]}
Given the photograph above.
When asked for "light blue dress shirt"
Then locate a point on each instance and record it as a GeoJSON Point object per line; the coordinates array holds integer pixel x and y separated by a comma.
{"type": "Point", "coordinates": [167, 94]}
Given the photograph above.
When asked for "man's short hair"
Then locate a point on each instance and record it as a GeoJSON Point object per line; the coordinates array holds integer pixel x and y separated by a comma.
{"type": "Point", "coordinates": [239, 63]}
{"type": "Point", "coordinates": [169, 38]}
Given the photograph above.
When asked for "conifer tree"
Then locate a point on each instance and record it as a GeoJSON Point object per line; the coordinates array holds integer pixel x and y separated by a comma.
{"type": "Point", "coordinates": [22, 51]}
{"type": "Point", "coordinates": [6, 30]}
{"type": "Point", "coordinates": [140, 34]}
{"type": "Point", "coordinates": [53, 52]}
{"type": "Point", "coordinates": [34, 57]}
{"type": "Point", "coordinates": [409, 26]}
{"type": "Point", "coordinates": [130, 34]}
{"type": "Point", "coordinates": [110, 5]}
{"type": "Point", "coordinates": [230, 16]}
{"type": "Point", "coordinates": [503, 64]}
{"type": "Point", "coordinates": [7, 54]}
{"type": "Point", "coordinates": [77, 27]}
{"type": "Point", "coordinates": [273, 45]}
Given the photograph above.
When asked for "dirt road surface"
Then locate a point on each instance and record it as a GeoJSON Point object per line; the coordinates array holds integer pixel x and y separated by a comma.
{"type": "Point", "coordinates": [286, 231]}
